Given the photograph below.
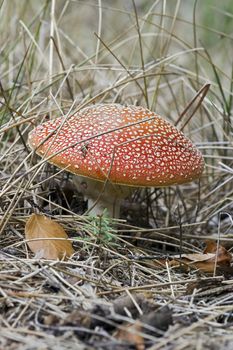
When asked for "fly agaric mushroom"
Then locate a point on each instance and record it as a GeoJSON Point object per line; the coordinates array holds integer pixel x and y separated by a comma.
{"type": "Point", "coordinates": [114, 148]}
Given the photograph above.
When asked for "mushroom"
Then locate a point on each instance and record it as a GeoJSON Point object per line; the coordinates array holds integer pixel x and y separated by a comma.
{"type": "Point", "coordinates": [114, 148]}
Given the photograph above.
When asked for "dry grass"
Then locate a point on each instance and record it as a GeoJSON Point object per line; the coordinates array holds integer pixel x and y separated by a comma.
{"type": "Point", "coordinates": [153, 53]}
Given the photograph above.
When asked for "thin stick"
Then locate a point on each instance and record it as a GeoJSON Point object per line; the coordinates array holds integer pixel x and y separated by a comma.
{"type": "Point", "coordinates": [51, 44]}
{"type": "Point", "coordinates": [201, 93]}
{"type": "Point", "coordinates": [141, 53]}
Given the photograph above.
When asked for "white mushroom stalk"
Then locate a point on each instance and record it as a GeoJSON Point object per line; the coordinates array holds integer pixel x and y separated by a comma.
{"type": "Point", "coordinates": [113, 145]}
{"type": "Point", "coordinates": [102, 196]}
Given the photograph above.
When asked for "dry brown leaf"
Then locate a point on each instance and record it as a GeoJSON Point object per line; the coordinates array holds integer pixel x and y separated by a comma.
{"type": "Point", "coordinates": [202, 261]}
{"type": "Point", "coordinates": [223, 256]}
{"type": "Point", "coordinates": [40, 226]}
{"type": "Point", "coordinates": [197, 257]}
{"type": "Point", "coordinates": [205, 266]}
{"type": "Point", "coordinates": [130, 334]}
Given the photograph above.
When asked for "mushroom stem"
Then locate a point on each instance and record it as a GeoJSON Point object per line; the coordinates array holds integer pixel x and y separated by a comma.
{"type": "Point", "coordinates": [102, 196]}
{"type": "Point", "coordinates": [98, 206]}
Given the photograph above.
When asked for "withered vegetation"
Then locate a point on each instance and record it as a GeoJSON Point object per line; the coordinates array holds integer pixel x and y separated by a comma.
{"type": "Point", "coordinates": [143, 281]}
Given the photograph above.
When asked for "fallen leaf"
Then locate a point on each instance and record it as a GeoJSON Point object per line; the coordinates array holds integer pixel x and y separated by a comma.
{"type": "Point", "coordinates": [131, 334]}
{"type": "Point", "coordinates": [202, 261]}
{"type": "Point", "coordinates": [223, 256]}
{"type": "Point", "coordinates": [197, 257]}
{"type": "Point", "coordinates": [40, 226]}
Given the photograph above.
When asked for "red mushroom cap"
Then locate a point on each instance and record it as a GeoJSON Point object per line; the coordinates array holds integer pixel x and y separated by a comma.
{"type": "Point", "coordinates": [127, 145]}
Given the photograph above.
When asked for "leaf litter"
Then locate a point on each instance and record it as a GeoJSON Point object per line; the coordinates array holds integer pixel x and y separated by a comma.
{"type": "Point", "coordinates": [82, 296]}
{"type": "Point", "coordinates": [46, 238]}
{"type": "Point", "coordinates": [212, 257]}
